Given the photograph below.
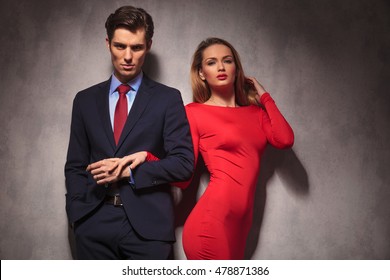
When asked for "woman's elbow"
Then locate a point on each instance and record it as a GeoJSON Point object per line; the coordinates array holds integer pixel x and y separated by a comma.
{"type": "Point", "coordinates": [285, 142]}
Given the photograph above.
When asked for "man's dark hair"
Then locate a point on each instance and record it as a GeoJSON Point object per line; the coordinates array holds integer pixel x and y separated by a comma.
{"type": "Point", "coordinates": [132, 19]}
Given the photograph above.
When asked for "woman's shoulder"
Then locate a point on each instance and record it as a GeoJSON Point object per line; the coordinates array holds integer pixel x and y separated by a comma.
{"type": "Point", "coordinates": [194, 106]}
{"type": "Point", "coordinates": [193, 109]}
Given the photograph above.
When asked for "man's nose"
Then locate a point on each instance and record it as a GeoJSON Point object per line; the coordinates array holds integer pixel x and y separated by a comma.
{"type": "Point", "coordinates": [128, 54]}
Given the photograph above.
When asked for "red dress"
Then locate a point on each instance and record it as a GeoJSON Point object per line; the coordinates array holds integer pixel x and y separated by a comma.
{"type": "Point", "coordinates": [231, 142]}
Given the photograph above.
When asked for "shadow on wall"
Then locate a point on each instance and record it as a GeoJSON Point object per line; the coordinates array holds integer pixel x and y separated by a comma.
{"type": "Point", "coordinates": [291, 170]}
{"type": "Point", "coordinates": [151, 66]}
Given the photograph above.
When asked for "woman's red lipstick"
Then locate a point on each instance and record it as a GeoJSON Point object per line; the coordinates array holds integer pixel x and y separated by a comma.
{"type": "Point", "coordinates": [222, 77]}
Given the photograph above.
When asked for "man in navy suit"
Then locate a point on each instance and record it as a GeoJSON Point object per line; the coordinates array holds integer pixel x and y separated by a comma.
{"type": "Point", "coordinates": [118, 193]}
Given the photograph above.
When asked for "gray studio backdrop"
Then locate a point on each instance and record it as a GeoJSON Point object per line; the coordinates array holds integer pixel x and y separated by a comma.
{"type": "Point", "coordinates": [326, 63]}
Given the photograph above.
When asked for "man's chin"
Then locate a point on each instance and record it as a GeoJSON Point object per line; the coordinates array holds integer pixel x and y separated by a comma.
{"type": "Point", "coordinates": [127, 75]}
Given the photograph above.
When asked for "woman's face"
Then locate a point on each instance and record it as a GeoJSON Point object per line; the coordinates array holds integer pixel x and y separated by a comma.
{"type": "Point", "coordinates": [218, 66]}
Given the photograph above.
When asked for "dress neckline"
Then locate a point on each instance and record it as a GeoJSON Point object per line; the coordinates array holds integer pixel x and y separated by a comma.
{"type": "Point", "coordinates": [223, 107]}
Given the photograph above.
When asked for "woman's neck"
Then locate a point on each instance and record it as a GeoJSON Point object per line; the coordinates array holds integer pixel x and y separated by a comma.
{"type": "Point", "coordinates": [223, 99]}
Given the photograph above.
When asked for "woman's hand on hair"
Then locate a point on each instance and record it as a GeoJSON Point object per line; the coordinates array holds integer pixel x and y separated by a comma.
{"type": "Point", "coordinates": [259, 88]}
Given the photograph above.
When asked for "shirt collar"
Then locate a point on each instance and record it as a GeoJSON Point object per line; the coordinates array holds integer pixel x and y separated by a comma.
{"type": "Point", "coordinates": [134, 83]}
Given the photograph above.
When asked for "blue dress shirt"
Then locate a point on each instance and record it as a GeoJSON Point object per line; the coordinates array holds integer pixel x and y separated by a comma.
{"type": "Point", "coordinates": [114, 94]}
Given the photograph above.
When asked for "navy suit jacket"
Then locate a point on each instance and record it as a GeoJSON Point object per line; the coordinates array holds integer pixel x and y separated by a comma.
{"type": "Point", "coordinates": [156, 123]}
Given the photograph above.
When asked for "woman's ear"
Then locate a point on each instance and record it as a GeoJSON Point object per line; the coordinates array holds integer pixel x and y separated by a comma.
{"type": "Point", "coordinates": [201, 76]}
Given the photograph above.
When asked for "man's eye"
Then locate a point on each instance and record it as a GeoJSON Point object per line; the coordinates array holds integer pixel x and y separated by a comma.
{"type": "Point", "coordinates": [120, 47]}
{"type": "Point", "coordinates": [137, 48]}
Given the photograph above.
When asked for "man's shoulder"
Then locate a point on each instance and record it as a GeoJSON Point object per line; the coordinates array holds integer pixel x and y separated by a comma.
{"type": "Point", "coordinates": [96, 87]}
{"type": "Point", "coordinates": [92, 91]}
{"type": "Point", "coordinates": [157, 86]}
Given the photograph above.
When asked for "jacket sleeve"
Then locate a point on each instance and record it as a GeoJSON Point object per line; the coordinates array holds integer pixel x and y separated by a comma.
{"type": "Point", "coordinates": [195, 140]}
{"type": "Point", "coordinates": [178, 164]}
{"type": "Point", "coordinates": [77, 180]}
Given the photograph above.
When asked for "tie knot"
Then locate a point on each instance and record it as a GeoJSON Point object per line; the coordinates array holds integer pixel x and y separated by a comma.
{"type": "Point", "coordinates": [123, 89]}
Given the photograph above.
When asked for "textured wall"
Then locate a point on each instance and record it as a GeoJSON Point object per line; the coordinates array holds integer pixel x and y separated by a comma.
{"type": "Point", "coordinates": [326, 63]}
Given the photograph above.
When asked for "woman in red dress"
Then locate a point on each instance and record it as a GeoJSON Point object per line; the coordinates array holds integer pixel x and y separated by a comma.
{"type": "Point", "coordinates": [232, 119]}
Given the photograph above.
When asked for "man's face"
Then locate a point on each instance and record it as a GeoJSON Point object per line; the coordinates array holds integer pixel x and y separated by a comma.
{"type": "Point", "coordinates": [128, 51]}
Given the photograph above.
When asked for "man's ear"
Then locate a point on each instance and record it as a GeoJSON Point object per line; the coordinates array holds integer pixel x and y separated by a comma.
{"type": "Point", "coordinates": [149, 45]}
{"type": "Point", "coordinates": [108, 43]}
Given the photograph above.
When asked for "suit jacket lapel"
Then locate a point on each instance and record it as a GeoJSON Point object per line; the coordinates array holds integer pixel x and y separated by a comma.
{"type": "Point", "coordinates": [104, 111]}
{"type": "Point", "coordinates": [140, 103]}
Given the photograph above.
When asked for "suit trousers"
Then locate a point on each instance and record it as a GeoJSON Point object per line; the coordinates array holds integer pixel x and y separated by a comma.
{"type": "Point", "coordinates": [106, 234]}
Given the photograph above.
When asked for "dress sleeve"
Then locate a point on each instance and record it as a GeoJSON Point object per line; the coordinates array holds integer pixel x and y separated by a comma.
{"type": "Point", "coordinates": [151, 157]}
{"type": "Point", "coordinates": [277, 130]}
{"type": "Point", "coordinates": [195, 142]}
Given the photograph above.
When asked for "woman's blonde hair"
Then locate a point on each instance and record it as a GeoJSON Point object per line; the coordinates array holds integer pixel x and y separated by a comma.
{"type": "Point", "coordinates": [244, 91]}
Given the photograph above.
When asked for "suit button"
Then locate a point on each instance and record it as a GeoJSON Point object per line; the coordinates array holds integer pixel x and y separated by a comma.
{"type": "Point", "coordinates": [154, 182]}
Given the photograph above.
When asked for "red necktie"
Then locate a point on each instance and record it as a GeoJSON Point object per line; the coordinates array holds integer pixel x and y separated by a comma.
{"type": "Point", "coordinates": [120, 111]}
